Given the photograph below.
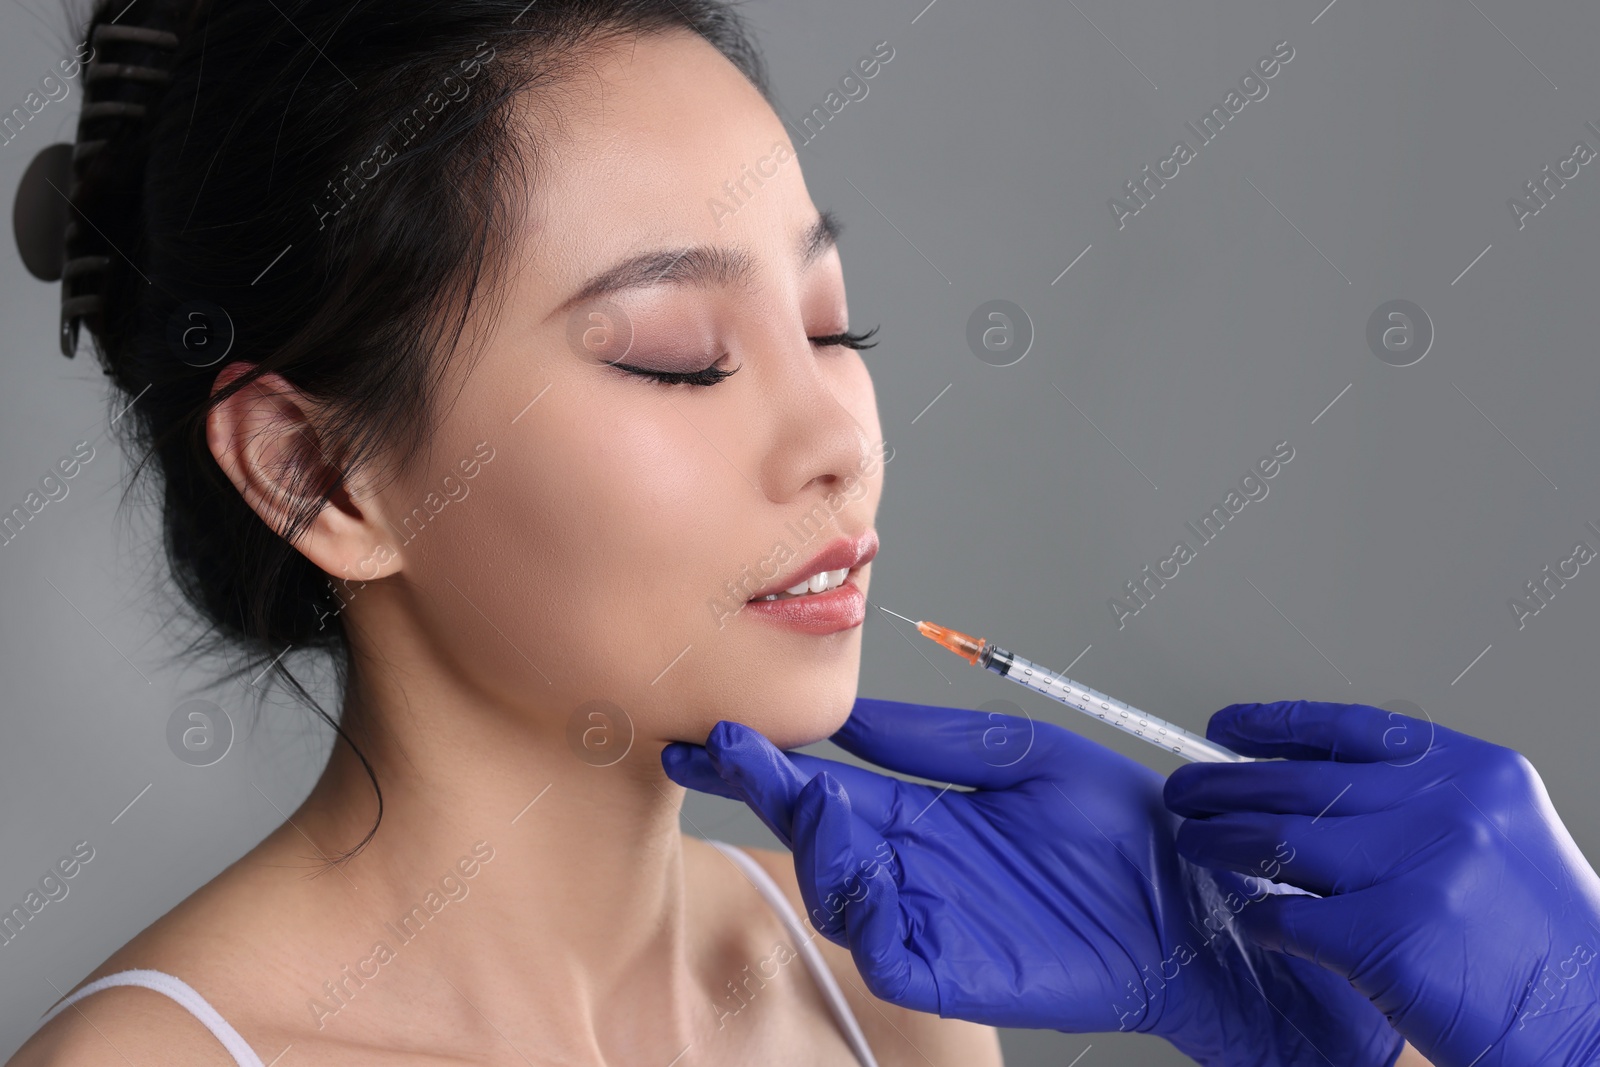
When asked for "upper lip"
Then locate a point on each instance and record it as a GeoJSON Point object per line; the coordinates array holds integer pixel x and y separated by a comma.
{"type": "Point", "coordinates": [846, 553]}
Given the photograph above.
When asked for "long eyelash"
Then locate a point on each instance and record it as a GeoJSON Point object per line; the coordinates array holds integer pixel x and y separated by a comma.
{"type": "Point", "coordinates": [712, 375]}
{"type": "Point", "coordinates": [856, 341]}
{"type": "Point", "coordinates": [709, 376]}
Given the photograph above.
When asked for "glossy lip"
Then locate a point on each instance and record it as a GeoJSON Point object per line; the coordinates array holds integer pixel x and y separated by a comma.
{"type": "Point", "coordinates": [845, 553]}
{"type": "Point", "coordinates": [818, 614]}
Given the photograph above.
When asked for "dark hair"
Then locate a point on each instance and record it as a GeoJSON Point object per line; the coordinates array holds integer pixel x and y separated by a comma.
{"type": "Point", "coordinates": [252, 183]}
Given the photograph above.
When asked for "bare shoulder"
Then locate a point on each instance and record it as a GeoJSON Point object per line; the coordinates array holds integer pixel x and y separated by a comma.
{"type": "Point", "coordinates": [898, 1036]}
{"type": "Point", "coordinates": [119, 1026]}
{"type": "Point", "coordinates": [223, 942]}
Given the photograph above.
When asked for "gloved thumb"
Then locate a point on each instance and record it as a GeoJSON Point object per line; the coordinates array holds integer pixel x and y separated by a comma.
{"type": "Point", "coordinates": [970, 748]}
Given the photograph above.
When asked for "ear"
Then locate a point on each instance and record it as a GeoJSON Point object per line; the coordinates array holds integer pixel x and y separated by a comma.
{"type": "Point", "coordinates": [265, 440]}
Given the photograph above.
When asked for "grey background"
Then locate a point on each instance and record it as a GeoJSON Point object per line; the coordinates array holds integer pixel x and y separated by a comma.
{"type": "Point", "coordinates": [1206, 331]}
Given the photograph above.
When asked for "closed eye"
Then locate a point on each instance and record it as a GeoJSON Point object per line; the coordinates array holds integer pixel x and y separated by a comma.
{"type": "Point", "coordinates": [856, 341]}
{"type": "Point", "coordinates": [708, 376]}
{"type": "Point", "coordinates": [713, 374]}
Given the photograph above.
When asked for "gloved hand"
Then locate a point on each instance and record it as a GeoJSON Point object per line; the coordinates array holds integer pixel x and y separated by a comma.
{"type": "Point", "coordinates": [1453, 897]}
{"type": "Point", "coordinates": [1049, 896]}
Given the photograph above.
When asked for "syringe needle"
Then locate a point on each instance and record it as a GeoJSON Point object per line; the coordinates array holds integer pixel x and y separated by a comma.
{"type": "Point", "coordinates": [896, 614]}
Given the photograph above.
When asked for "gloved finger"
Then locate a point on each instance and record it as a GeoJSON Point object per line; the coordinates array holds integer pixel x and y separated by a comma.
{"type": "Point", "coordinates": [1290, 787]}
{"type": "Point", "coordinates": [759, 774]}
{"type": "Point", "coordinates": [890, 969]}
{"type": "Point", "coordinates": [691, 767]}
{"type": "Point", "coordinates": [1327, 856]}
{"type": "Point", "coordinates": [972, 748]}
{"type": "Point", "coordinates": [741, 760]}
{"type": "Point", "coordinates": [1313, 730]}
{"type": "Point", "coordinates": [832, 853]}
{"type": "Point", "coordinates": [876, 799]}
{"type": "Point", "coordinates": [769, 780]}
{"type": "Point", "coordinates": [822, 854]}
{"type": "Point", "coordinates": [1333, 932]}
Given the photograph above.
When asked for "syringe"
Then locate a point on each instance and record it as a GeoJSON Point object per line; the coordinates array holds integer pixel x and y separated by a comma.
{"type": "Point", "coordinates": [1057, 686]}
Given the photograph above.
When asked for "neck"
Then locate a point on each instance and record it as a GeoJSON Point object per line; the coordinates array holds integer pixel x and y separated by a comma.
{"type": "Point", "coordinates": [576, 890]}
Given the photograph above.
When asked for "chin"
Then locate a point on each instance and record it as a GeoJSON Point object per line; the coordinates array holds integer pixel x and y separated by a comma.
{"type": "Point", "coordinates": [794, 718]}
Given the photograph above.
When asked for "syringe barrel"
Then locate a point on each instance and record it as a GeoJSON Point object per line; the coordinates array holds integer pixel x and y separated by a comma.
{"type": "Point", "coordinates": [1108, 709]}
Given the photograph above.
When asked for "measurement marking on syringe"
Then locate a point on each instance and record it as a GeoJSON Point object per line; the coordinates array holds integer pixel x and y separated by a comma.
{"type": "Point", "coordinates": [1092, 702]}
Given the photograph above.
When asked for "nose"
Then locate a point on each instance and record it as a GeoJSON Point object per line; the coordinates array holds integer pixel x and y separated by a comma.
{"type": "Point", "coordinates": [822, 427]}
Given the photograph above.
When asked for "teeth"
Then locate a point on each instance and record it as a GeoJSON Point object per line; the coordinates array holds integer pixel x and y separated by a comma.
{"type": "Point", "coordinates": [817, 583]}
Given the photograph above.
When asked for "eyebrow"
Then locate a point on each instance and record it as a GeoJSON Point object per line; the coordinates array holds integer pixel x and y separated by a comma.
{"type": "Point", "coordinates": [700, 265]}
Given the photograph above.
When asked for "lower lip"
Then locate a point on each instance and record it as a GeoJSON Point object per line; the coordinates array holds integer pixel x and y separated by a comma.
{"type": "Point", "coordinates": [838, 609]}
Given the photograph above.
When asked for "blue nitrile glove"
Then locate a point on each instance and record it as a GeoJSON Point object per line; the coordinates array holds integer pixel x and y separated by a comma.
{"type": "Point", "coordinates": [1452, 895]}
{"type": "Point", "coordinates": [1049, 896]}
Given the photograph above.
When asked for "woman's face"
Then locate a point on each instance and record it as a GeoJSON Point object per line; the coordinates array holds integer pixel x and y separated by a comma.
{"type": "Point", "coordinates": [606, 547]}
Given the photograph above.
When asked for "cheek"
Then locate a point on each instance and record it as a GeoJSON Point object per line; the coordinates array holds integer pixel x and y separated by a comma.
{"type": "Point", "coordinates": [584, 549]}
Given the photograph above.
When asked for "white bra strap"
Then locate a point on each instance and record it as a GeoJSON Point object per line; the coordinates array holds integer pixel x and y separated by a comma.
{"type": "Point", "coordinates": [178, 990]}
{"type": "Point", "coordinates": [804, 943]}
